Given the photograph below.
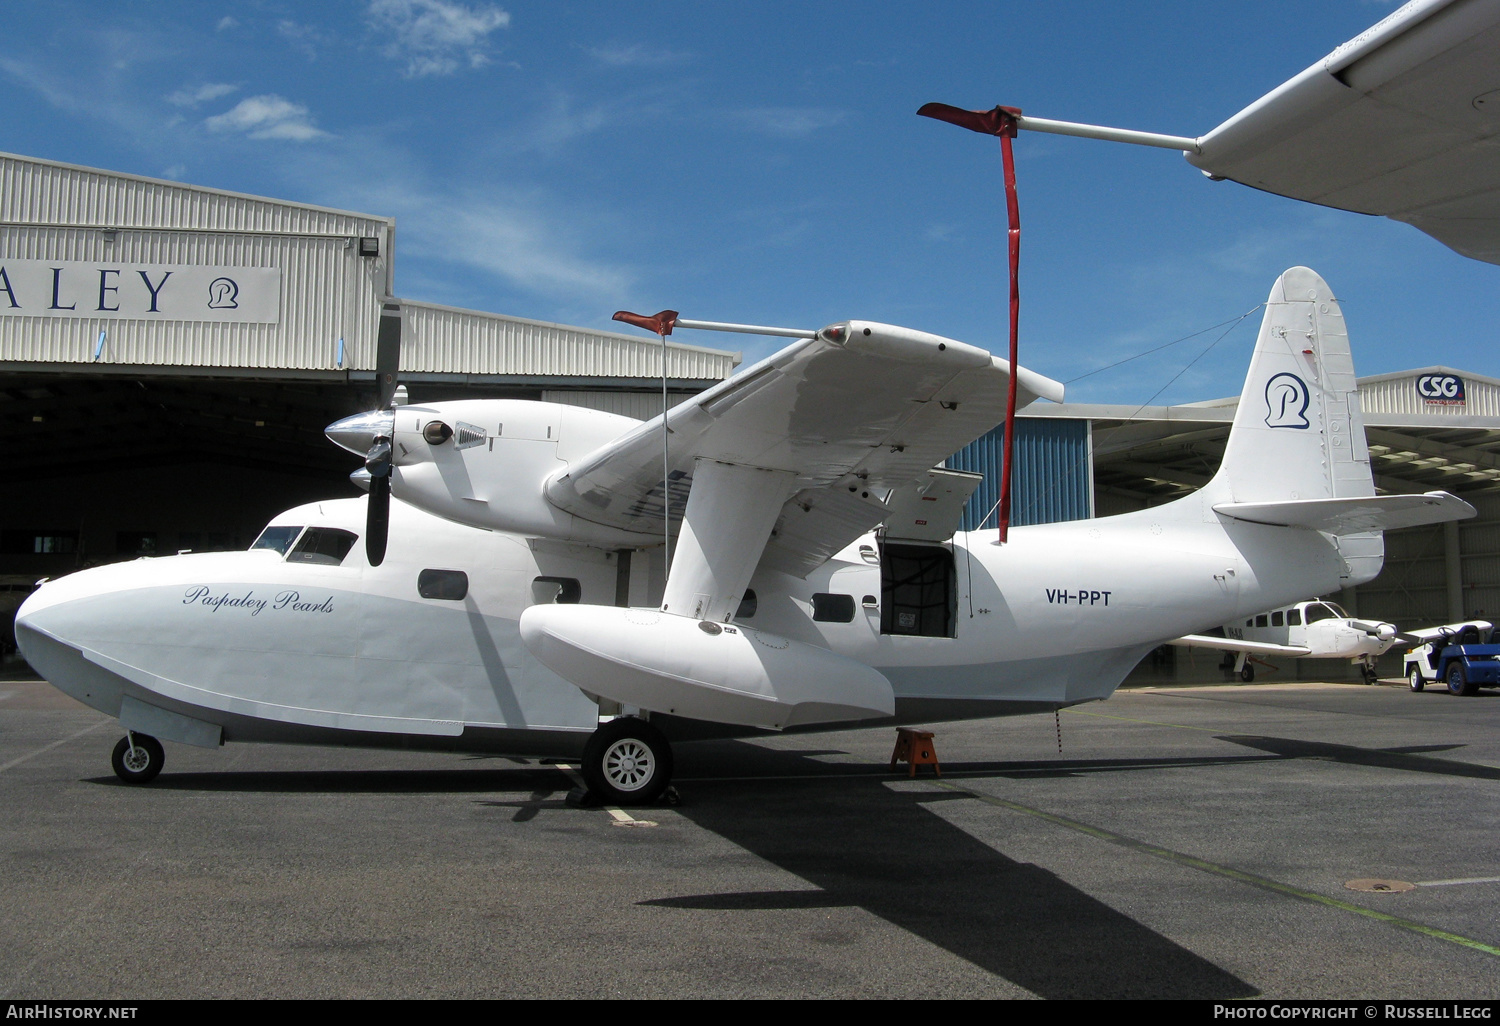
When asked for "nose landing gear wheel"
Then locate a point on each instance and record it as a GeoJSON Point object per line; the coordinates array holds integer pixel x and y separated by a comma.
{"type": "Point", "coordinates": [138, 763]}
{"type": "Point", "coordinates": [627, 762]}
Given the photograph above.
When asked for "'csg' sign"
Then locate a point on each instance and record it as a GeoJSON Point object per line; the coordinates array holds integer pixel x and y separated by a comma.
{"type": "Point", "coordinates": [1441, 389]}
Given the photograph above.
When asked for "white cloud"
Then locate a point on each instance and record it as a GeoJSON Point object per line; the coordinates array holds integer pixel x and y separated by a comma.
{"type": "Point", "coordinates": [635, 55]}
{"type": "Point", "coordinates": [790, 122]}
{"type": "Point", "coordinates": [267, 117]}
{"type": "Point", "coordinates": [204, 93]}
{"type": "Point", "coordinates": [436, 37]}
{"type": "Point", "coordinates": [303, 37]}
{"type": "Point", "coordinates": [226, 23]}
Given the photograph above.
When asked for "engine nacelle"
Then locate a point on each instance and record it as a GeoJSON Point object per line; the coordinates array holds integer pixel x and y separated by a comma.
{"type": "Point", "coordinates": [724, 673]}
{"type": "Point", "coordinates": [483, 462]}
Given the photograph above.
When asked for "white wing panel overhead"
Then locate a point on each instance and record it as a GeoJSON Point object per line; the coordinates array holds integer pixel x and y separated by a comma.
{"type": "Point", "coordinates": [1403, 121]}
{"type": "Point", "coordinates": [853, 413]}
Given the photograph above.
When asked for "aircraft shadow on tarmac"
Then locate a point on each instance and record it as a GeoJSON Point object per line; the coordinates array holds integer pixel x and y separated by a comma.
{"type": "Point", "coordinates": [862, 844]}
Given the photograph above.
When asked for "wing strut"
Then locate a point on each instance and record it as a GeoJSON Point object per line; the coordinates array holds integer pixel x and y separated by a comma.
{"type": "Point", "coordinates": [1002, 122]}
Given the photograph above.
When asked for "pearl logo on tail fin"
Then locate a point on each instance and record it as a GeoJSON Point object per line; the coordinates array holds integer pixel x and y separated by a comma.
{"type": "Point", "coordinates": [1286, 402]}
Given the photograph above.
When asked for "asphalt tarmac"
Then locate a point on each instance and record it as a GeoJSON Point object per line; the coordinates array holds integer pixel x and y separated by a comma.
{"type": "Point", "coordinates": [1187, 842]}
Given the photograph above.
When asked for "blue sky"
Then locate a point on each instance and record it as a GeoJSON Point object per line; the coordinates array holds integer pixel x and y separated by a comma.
{"type": "Point", "coordinates": [763, 162]}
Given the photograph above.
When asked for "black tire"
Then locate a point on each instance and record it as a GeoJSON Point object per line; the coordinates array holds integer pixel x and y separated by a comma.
{"type": "Point", "coordinates": [142, 766]}
{"type": "Point", "coordinates": [1414, 678]}
{"type": "Point", "coordinates": [1368, 674]}
{"type": "Point", "coordinates": [1458, 680]}
{"type": "Point", "coordinates": [627, 762]}
{"type": "Point", "coordinates": [1247, 673]}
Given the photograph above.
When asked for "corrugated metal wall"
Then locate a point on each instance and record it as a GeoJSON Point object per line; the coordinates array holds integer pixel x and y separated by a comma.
{"type": "Point", "coordinates": [58, 212]}
{"type": "Point", "coordinates": [640, 405]}
{"type": "Point", "coordinates": [1399, 395]}
{"type": "Point", "coordinates": [440, 339]}
{"type": "Point", "coordinates": [1054, 475]}
{"type": "Point", "coordinates": [328, 292]}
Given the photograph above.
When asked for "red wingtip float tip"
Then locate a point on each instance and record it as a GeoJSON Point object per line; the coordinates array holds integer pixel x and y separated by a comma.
{"type": "Point", "coordinates": [998, 121]}
{"type": "Point", "coordinates": [661, 323]}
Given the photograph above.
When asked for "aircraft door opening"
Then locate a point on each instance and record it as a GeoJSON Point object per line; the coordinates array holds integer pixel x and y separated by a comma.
{"type": "Point", "coordinates": [918, 591]}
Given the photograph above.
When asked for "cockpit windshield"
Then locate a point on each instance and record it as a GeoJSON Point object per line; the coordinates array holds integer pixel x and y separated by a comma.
{"type": "Point", "coordinates": [326, 545]}
{"type": "Point", "coordinates": [276, 537]}
{"type": "Point", "coordinates": [1324, 611]}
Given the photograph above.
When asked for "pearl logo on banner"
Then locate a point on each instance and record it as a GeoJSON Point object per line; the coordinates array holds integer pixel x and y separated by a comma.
{"type": "Point", "coordinates": [42, 288]}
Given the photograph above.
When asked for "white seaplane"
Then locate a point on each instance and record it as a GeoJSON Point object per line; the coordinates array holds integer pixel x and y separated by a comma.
{"type": "Point", "coordinates": [1315, 629]}
{"type": "Point", "coordinates": [525, 606]}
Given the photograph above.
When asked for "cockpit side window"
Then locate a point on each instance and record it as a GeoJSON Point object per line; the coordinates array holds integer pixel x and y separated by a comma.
{"type": "Point", "coordinates": [276, 537]}
{"type": "Point", "coordinates": [325, 545]}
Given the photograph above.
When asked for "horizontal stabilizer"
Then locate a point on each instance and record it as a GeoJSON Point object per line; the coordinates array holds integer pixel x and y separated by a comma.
{"type": "Point", "coordinates": [1355, 515]}
{"type": "Point", "coordinates": [1236, 645]}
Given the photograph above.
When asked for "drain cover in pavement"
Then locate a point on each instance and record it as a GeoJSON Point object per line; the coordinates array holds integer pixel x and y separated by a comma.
{"type": "Point", "coordinates": [1380, 886]}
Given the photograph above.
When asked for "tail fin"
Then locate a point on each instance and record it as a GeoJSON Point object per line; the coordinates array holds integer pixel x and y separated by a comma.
{"type": "Point", "coordinates": [1298, 432]}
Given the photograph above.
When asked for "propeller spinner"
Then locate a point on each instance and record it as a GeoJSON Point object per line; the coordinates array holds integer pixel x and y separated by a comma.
{"type": "Point", "coordinates": [369, 435]}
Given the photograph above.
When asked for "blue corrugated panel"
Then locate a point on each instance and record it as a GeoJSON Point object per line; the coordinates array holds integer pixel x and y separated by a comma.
{"type": "Point", "coordinates": [1052, 479]}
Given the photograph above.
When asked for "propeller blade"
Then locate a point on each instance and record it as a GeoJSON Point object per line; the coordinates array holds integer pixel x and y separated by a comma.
{"type": "Point", "coordinates": [378, 519]}
{"type": "Point", "coordinates": [378, 513]}
{"type": "Point", "coordinates": [662, 323]}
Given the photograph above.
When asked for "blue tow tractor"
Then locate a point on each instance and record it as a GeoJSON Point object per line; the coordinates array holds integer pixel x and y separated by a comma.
{"type": "Point", "coordinates": [1461, 656]}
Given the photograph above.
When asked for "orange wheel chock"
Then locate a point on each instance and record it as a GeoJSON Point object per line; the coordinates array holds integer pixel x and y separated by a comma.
{"type": "Point", "coordinates": [915, 748]}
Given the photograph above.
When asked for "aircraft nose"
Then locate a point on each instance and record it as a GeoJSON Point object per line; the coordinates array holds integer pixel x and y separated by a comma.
{"type": "Point", "coordinates": [358, 433]}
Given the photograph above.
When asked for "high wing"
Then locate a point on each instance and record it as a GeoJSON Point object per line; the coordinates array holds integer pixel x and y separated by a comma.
{"type": "Point", "coordinates": [1236, 645]}
{"type": "Point", "coordinates": [838, 422]}
{"type": "Point", "coordinates": [1402, 121]}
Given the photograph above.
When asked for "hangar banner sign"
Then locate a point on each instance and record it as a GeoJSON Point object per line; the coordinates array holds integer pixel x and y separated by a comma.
{"type": "Point", "coordinates": [60, 288]}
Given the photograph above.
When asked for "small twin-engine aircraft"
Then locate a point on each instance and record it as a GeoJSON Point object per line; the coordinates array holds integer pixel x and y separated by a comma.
{"type": "Point", "coordinates": [524, 605]}
{"type": "Point", "coordinates": [1304, 630]}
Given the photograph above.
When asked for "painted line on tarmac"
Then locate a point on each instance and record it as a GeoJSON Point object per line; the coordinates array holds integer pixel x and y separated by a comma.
{"type": "Point", "coordinates": [619, 817]}
{"type": "Point", "coordinates": [47, 748]}
{"type": "Point", "coordinates": [1455, 883]}
{"type": "Point", "coordinates": [1203, 865]}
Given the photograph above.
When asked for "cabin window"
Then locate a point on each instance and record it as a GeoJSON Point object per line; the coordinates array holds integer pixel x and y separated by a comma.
{"type": "Point", "coordinates": [276, 538]}
{"type": "Point", "coordinates": [748, 605]}
{"type": "Point", "coordinates": [918, 591]}
{"type": "Point", "coordinates": [324, 545]}
{"type": "Point", "coordinates": [1250, 622]}
{"type": "Point", "coordinates": [1260, 621]}
{"type": "Point", "coordinates": [833, 608]}
{"type": "Point", "coordinates": [449, 585]}
{"type": "Point", "coordinates": [1276, 619]}
{"type": "Point", "coordinates": [1294, 618]}
{"type": "Point", "coordinates": [564, 591]}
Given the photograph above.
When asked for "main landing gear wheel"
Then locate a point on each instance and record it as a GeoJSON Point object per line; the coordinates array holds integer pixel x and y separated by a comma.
{"type": "Point", "coordinates": [1247, 673]}
{"type": "Point", "coordinates": [138, 763]}
{"type": "Point", "coordinates": [627, 762]}
{"type": "Point", "coordinates": [1458, 680]}
{"type": "Point", "coordinates": [1415, 679]}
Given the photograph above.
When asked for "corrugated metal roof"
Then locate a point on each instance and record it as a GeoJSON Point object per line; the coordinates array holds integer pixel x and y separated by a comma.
{"type": "Point", "coordinates": [441, 339]}
{"type": "Point", "coordinates": [34, 191]}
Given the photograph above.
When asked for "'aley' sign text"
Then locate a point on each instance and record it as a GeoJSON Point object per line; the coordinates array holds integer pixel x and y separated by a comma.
{"type": "Point", "coordinates": [59, 288]}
